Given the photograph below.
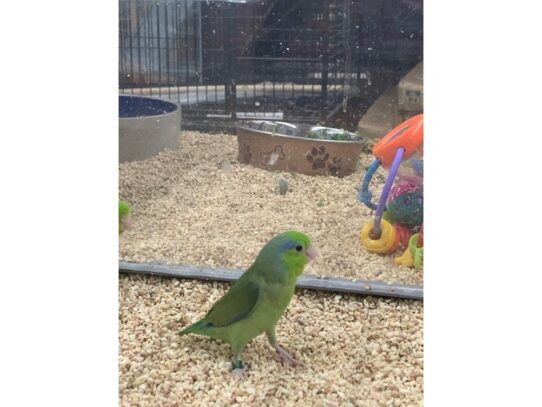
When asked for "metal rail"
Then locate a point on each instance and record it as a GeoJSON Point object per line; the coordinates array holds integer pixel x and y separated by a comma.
{"type": "Point", "coordinates": [334, 284]}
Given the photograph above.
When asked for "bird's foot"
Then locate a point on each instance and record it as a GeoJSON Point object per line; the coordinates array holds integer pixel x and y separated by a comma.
{"type": "Point", "coordinates": [238, 370]}
{"type": "Point", "coordinates": [240, 373]}
{"type": "Point", "coordinates": [284, 356]}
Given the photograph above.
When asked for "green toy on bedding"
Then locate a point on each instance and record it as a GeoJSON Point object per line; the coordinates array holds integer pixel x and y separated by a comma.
{"type": "Point", "coordinates": [125, 216]}
{"type": "Point", "coordinates": [256, 301]}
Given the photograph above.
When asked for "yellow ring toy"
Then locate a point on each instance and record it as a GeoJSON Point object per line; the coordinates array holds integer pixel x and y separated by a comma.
{"type": "Point", "coordinates": [405, 259]}
{"type": "Point", "coordinates": [387, 242]}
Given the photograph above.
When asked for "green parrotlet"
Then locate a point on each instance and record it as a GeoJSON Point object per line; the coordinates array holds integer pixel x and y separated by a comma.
{"type": "Point", "coordinates": [257, 300]}
{"type": "Point", "coordinates": [125, 216]}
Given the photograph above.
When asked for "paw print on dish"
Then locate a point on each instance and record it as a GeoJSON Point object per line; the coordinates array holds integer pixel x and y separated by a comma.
{"type": "Point", "coordinates": [334, 167]}
{"type": "Point", "coordinates": [318, 157]}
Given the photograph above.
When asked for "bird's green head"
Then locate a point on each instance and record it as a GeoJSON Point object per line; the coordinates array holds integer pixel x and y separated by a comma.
{"type": "Point", "coordinates": [293, 249]}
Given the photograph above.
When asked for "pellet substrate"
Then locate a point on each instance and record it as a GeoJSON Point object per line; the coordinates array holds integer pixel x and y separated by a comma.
{"type": "Point", "coordinates": [198, 205]}
{"type": "Point", "coordinates": [356, 350]}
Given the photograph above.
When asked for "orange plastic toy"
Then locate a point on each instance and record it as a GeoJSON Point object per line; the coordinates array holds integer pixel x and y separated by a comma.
{"type": "Point", "coordinates": [408, 135]}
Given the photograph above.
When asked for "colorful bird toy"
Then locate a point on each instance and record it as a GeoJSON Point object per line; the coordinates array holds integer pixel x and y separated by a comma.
{"type": "Point", "coordinates": [399, 213]}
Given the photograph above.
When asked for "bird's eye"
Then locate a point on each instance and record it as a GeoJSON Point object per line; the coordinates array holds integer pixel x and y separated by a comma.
{"type": "Point", "coordinates": [299, 247]}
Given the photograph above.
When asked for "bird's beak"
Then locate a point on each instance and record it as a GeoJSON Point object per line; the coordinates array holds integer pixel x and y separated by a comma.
{"type": "Point", "coordinates": [311, 252]}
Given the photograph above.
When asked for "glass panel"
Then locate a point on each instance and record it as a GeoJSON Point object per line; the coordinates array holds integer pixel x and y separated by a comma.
{"type": "Point", "coordinates": [281, 103]}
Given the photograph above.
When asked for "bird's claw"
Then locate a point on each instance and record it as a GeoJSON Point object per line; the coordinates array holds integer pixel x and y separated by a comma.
{"type": "Point", "coordinates": [283, 355]}
{"type": "Point", "coordinates": [239, 369]}
{"type": "Point", "coordinates": [240, 373]}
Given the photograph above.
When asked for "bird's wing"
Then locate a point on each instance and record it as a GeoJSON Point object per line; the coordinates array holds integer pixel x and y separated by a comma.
{"type": "Point", "coordinates": [236, 305]}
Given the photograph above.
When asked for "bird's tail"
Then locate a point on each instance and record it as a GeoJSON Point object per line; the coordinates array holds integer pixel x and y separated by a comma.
{"type": "Point", "coordinates": [195, 328]}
